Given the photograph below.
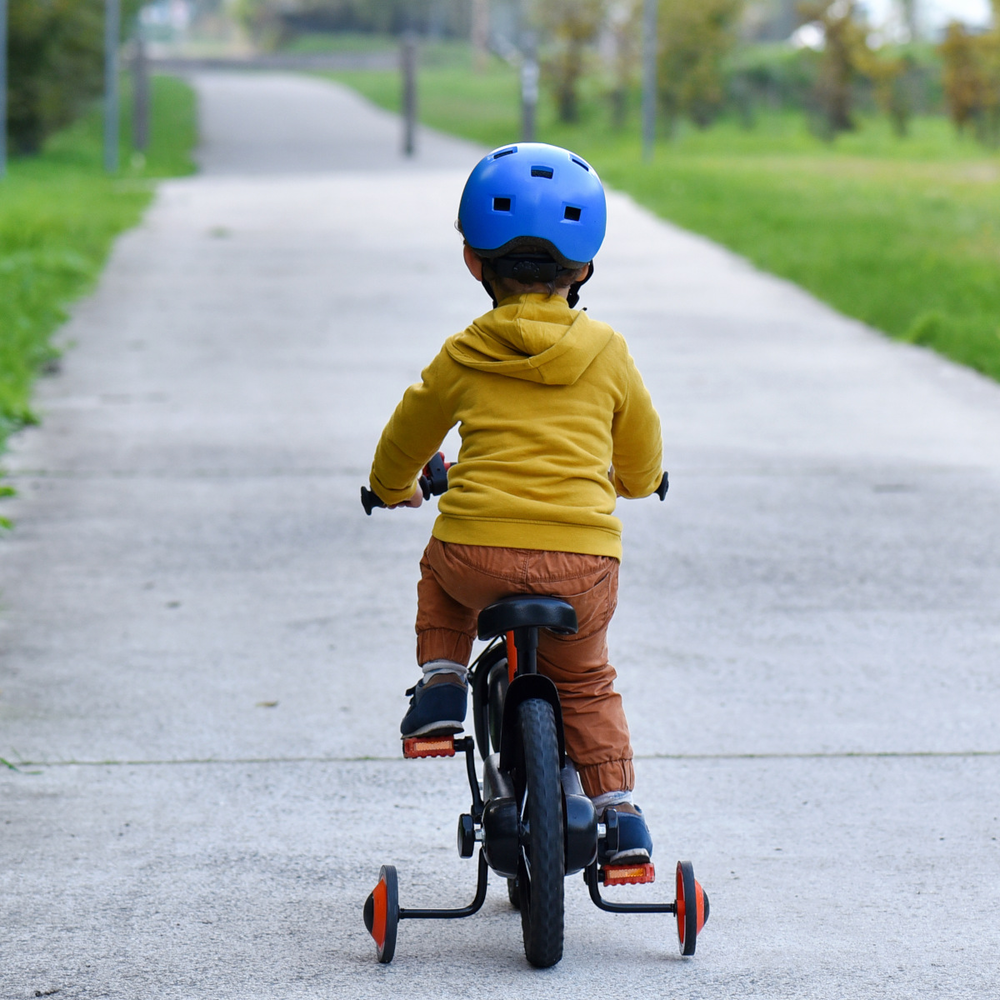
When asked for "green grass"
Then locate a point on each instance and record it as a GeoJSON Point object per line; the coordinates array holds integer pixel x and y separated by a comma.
{"type": "Point", "coordinates": [59, 213]}
{"type": "Point", "coordinates": [903, 234]}
{"type": "Point", "coordinates": [321, 43]}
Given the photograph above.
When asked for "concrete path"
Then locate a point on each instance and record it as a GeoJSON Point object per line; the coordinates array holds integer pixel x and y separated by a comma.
{"type": "Point", "coordinates": [205, 642]}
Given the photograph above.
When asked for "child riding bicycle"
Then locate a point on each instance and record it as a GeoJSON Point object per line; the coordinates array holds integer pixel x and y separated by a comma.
{"type": "Point", "coordinates": [555, 422]}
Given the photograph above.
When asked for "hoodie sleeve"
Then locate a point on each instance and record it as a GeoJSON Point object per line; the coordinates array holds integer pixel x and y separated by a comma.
{"type": "Point", "coordinates": [636, 441]}
{"type": "Point", "coordinates": [413, 435]}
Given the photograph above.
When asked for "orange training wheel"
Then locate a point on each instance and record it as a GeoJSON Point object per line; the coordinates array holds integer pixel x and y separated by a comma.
{"type": "Point", "coordinates": [382, 913]}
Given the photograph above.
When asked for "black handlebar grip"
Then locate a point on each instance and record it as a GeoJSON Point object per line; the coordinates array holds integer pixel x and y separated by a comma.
{"type": "Point", "coordinates": [661, 490]}
{"type": "Point", "coordinates": [436, 474]}
{"type": "Point", "coordinates": [369, 500]}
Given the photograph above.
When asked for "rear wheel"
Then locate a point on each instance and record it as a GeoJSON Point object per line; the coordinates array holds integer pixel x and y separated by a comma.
{"type": "Point", "coordinates": [541, 867]}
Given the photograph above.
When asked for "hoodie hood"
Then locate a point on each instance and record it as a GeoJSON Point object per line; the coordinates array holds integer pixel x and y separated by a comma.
{"type": "Point", "coordinates": [533, 337]}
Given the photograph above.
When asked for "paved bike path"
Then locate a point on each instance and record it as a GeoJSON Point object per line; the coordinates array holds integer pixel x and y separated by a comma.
{"type": "Point", "coordinates": [203, 641]}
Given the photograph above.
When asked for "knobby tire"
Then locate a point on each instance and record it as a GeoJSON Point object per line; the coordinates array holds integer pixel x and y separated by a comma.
{"type": "Point", "coordinates": [542, 867]}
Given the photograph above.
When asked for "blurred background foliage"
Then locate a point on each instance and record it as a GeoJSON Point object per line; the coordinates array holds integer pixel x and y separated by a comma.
{"type": "Point", "coordinates": [56, 64]}
{"type": "Point", "coordinates": [716, 57]}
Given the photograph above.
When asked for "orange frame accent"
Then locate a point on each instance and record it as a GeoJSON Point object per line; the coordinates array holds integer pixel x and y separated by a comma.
{"type": "Point", "coordinates": [511, 657]}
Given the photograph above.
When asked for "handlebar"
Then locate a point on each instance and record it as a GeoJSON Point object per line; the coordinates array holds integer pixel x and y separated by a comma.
{"type": "Point", "coordinates": [434, 482]}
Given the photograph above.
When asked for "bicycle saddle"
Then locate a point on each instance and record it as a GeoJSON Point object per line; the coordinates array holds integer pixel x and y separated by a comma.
{"type": "Point", "coordinates": [527, 611]}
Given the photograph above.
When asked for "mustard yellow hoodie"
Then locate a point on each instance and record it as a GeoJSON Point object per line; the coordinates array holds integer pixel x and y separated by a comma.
{"type": "Point", "coordinates": [546, 399]}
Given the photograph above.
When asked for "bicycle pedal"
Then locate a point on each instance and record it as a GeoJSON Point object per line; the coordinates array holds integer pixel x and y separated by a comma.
{"type": "Point", "coordinates": [628, 874]}
{"type": "Point", "coordinates": [429, 746]}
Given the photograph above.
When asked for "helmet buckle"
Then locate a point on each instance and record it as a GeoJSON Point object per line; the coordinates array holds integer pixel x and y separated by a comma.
{"type": "Point", "coordinates": [525, 271]}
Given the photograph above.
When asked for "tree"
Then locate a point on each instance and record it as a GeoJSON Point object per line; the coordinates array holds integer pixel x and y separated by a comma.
{"type": "Point", "coordinates": [570, 25]}
{"type": "Point", "coordinates": [694, 40]}
{"type": "Point", "coordinates": [844, 59]}
{"type": "Point", "coordinates": [55, 65]}
{"type": "Point", "coordinates": [972, 78]}
{"type": "Point", "coordinates": [890, 76]}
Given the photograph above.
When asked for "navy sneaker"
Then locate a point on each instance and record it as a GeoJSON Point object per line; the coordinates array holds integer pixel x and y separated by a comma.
{"type": "Point", "coordinates": [435, 709]}
{"type": "Point", "coordinates": [635, 845]}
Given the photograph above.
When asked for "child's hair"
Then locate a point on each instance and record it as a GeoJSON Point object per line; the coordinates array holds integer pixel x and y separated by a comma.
{"type": "Point", "coordinates": [531, 258]}
{"type": "Point", "coordinates": [517, 281]}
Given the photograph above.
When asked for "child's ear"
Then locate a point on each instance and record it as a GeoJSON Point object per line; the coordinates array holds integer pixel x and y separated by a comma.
{"type": "Point", "coordinates": [473, 262]}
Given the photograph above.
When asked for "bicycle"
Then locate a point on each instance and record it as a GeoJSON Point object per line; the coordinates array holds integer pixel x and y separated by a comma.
{"type": "Point", "coordinates": [532, 821]}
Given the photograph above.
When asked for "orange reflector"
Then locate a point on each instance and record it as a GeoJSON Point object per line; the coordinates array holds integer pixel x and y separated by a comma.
{"type": "Point", "coordinates": [628, 874]}
{"type": "Point", "coordinates": [429, 746]}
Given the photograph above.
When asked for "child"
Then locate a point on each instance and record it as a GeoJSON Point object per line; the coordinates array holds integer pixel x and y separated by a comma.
{"type": "Point", "coordinates": [547, 401]}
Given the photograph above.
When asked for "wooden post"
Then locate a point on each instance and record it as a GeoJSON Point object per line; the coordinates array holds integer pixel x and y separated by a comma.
{"type": "Point", "coordinates": [409, 65]}
{"type": "Point", "coordinates": [112, 34]}
{"type": "Point", "coordinates": [649, 54]}
{"type": "Point", "coordinates": [140, 93]}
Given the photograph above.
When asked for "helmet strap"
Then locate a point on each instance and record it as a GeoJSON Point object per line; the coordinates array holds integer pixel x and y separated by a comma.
{"type": "Point", "coordinates": [573, 296]}
{"type": "Point", "coordinates": [490, 292]}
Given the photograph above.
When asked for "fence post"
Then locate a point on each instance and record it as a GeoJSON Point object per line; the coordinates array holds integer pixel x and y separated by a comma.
{"type": "Point", "coordinates": [648, 78]}
{"type": "Point", "coordinates": [140, 92]}
{"type": "Point", "coordinates": [3, 88]}
{"type": "Point", "coordinates": [112, 34]}
{"type": "Point", "coordinates": [409, 61]}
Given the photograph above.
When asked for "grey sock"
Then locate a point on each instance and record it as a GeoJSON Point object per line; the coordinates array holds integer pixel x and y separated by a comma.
{"type": "Point", "coordinates": [606, 799]}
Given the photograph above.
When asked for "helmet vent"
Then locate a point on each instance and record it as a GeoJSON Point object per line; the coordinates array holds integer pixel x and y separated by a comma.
{"type": "Point", "coordinates": [505, 152]}
{"type": "Point", "coordinates": [580, 163]}
{"type": "Point", "coordinates": [541, 172]}
{"type": "Point", "coordinates": [503, 205]}
{"type": "Point", "coordinates": [572, 213]}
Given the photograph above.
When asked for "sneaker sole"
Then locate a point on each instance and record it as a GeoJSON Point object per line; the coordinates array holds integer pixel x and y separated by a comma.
{"type": "Point", "coordinates": [446, 728]}
{"type": "Point", "coordinates": [629, 858]}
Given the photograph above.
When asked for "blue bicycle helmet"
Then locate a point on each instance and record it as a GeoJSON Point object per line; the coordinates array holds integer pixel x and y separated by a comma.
{"type": "Point", "coordinates": [531, 194]}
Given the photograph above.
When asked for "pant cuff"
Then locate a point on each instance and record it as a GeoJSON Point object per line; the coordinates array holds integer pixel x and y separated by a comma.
{"type": "Point", "coordinates": [443, 644]}
{"type": "Point", "coordinates": [608, 776]}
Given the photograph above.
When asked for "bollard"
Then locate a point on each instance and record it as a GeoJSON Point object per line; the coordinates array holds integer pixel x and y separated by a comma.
{"type": "Point", "coordinates": [529, 89]}
{"type": "Point", "coordinates": [112, 30]}
{"type": "Point", "coordinates": [140, 94]}
{"type": "Point", "coordinates": [409, 66]}
{"type": "Point", "coordinates": [648, 78]}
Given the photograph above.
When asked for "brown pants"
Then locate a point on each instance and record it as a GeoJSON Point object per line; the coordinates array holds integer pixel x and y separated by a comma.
{"type": "Point", "coordinates": [458, 581]}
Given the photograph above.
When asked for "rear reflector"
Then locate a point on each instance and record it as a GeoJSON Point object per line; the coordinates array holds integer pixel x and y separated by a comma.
{"type": "Point", "coordinates": [429, 746]}
{"type": "Point", "coordinates": [628, 874]}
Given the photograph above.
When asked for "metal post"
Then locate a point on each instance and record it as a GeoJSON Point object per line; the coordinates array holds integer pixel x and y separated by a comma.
{"type": "Point", "coordinates": [3, 88]}
{"type": "Point", "coordinates": [112, 33]}
{"type": "Point", "coordinates": [648, 78]}
{"type": "Point", "coordinates": [409, 61]}
{"type": "Point", "coordinates": [140, 93]}
{"type": "Point", "coordinates": [529, 88]}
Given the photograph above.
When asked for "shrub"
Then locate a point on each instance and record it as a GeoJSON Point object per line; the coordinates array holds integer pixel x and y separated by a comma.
{"type": "Point", "coordinates": [56, 65]}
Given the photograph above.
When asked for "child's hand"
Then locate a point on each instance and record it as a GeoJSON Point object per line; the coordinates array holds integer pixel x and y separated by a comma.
{"type": "Point", "coordinates": [415, 501]}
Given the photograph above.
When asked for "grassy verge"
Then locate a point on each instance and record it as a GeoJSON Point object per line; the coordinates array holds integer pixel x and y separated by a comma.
{"type": "Point", "coordinates": [903, 234]}
{"type": "Point", "coordinates": [58, 216]}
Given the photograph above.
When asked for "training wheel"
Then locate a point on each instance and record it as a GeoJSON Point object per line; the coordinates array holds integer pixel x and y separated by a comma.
{"type": "Point", "coordinates": [692, 907]}
{"type": "Point", "coordinates": [382, 913]}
